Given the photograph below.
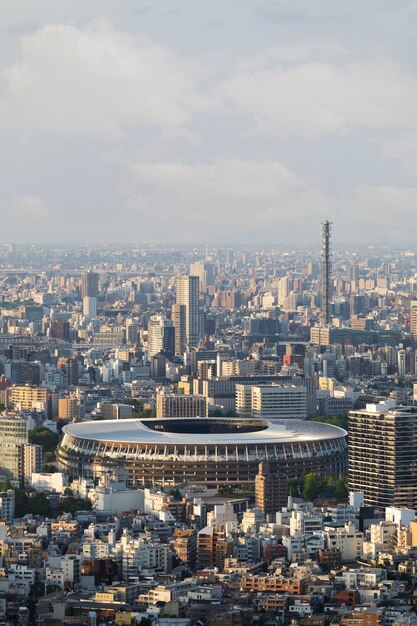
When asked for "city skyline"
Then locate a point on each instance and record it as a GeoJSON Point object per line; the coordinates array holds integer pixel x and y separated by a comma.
{"type": "Point", "coordinates": [192, 123]}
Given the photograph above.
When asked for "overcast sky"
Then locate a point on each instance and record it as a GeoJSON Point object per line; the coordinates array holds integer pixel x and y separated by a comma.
{"type": "Point", "coordinates": [185, 121]}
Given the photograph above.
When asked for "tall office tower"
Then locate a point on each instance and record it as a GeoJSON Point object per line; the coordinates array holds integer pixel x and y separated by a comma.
{"type": "Point", "coordinates": [325, 273]}
{"type": "Point", "coordinates": [205, 273]}
{"type": "Point", "coordinates": [89, 307]}
{"type": "Point", "coordinates": [413, 319]}
{"type": "Point", "coordinates": [132, 331]}
{"type": "Point", "coordinates": [359, 304]}
{"type": "Point", "coordinates": [161, 337]}
{"type": "Point", "coordinates": [13, 435]}
{"type": "Point", "coordinates": [383, 455]}
{"type": "Point", "coordinates": [89, 284]}
{"type": "Point", "coordinates": [271, 491]}
{"type": "Point", "coordinates": [178, 314]}
{"type": "Point", "coordinates": [352, 272]}
{"type": "Point", "coordinates": [188, 293]}
{"type": "Point", "coordinates": [70, 371]}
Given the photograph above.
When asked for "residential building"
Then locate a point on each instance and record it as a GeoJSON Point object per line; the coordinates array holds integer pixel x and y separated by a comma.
{"type": "Point", "coordinates": [181, 406]}
{"type": "Point", "coordinates": [383, 455]}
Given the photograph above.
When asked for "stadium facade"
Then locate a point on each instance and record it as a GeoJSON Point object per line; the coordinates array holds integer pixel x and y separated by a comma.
{"type": "Point", "coordinates": [201, 451]}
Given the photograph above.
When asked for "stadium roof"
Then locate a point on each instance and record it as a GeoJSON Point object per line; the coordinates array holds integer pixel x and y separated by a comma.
{"type": "Point", "coordinates": [142, 431]}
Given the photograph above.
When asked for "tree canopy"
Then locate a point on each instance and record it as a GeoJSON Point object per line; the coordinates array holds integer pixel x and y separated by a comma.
{"type": "Point", "coordinates": [44, 437]}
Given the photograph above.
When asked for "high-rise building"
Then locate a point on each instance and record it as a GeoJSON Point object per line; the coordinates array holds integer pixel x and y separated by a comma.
{"type": "Point", "coordinates": [89, 284]}
{"type": "Point", "coordinates": [413, 319]}
{"type": "Point", "coordinates": [161, 337]}
{"type": "Point", "coordinates": [158, 369]}
{"type": "Point", "coordinates": [205, 272]}
{"type": "Point", "coordinates": [185, 545]}
{"type": "Point", "coordinates": [383, 455]}
{"type": "Point", "coordinates": [68, 408]}
{"type": "Point", "coordinates": [132, 332]}
{"type": "Point", "coordinates": [89, 307]}
{"type": "Point", "coordinates": [271, 491]}
{"type": "Point", "coordinates": [325, 273]}
{"type": "Point", "coordinates": [188, 294]}
{"type": "Point", "coordinates": [352, 272]}
{"type": "Point", "coordinates": [178, 315]}
{"type": "Point", "coordinates": [70, 370]}
{"type": "Point", "coordinates": [31, 462]}
{"type": "Point", "coordinates": [13, 435]}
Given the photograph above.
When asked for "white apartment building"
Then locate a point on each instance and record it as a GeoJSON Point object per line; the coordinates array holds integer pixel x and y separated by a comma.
{"type": "Point", "coordinates": [347, 540]}
{"type": "Point", "coordinates": [276, 401]}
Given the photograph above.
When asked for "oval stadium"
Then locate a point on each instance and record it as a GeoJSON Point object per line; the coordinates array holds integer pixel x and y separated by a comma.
{"type": "Point", "coordinates": [201, 451]}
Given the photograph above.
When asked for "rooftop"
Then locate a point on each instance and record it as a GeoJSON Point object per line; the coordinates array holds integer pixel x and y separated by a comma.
{"type": "Point", "coordinates": [204, 430]}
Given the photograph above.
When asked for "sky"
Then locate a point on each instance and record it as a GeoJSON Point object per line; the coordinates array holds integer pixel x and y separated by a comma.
{"type": "Point", "coordinates": [221, 121]}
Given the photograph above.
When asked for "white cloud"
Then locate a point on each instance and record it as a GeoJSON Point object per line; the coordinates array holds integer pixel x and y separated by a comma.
{"type": "Point", "coordinates": [401, 148]}
{"type": "Point", "coordinates": [97, 82]}
{"type": "Point", "coordinates": [387, 206]}
{"type": "Point", "coordinates": [314, 98]}
{"type": "Point", "coordinates": [236, 199]}
{"type": "Point", "coordinates": [223, 199]}
{"type": "Point", "coordinates": [32, 208]}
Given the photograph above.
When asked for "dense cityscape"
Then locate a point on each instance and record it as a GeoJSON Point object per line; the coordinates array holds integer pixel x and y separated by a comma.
{"type": "Point", "coordinates": [208, 313]}
{"type": "Point", "coordinates": [208, 435]}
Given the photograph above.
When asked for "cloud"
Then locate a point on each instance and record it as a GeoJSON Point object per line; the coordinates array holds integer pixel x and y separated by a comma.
{"type": "Point", "coordinates": [314, 98]}
{"type": "Point", "coordinates": [383, 205]}
{"type": "Point", "coordinates": [296, 11]}
{"type": "Point", "coordinates": [32, 208]}
{"type": "Point", "coordinates": [401, 148]}
{"type": "Point", "coordinates": [233, 199]}
{"type": "Point", "coordinates": [224, 199]}
{"type": "Point", "coordinates": [97, 82]}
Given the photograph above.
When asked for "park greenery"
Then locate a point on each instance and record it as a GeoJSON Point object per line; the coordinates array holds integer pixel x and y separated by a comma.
{"type": "Point", "coordinates": [44, 437]}
{"type": "Point", "coordinates": [334, 420]}
{"type": "Point", "coordinates": [312, 486]}
{"type": "Point", "coordinates": [39, 504]}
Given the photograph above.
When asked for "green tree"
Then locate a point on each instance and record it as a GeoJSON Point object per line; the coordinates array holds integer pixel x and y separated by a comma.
{"type": "Point", "coordinates": [44, 437]}
{"type": "Point", "coordinates": [340, 489]}
{"type": "Point", "coordinates": [295, 487]}
{"type": "Point", "coordinates": [71, 504]}
{"type": "Point", "coordinates": [39, 505]}
{"type": "Point", "coordinates": [22, 504]}
{"type": "Point", "coordinates": [334, 420]}
{"type": "Point", "coordinates": [176, 494]}
{"type": "Point", "coordinates": [313, 485]}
